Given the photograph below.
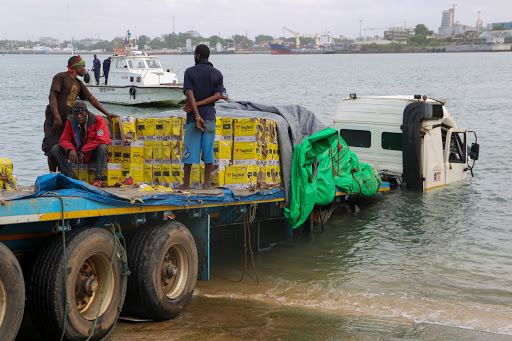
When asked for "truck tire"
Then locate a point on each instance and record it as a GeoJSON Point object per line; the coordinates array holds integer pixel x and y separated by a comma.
{"type": "Point", "coordinates": [163, 261]}
{"type": "Point", "coordinates": [88, 252]}
{"type": "Point", "coordinates": [12, 294]}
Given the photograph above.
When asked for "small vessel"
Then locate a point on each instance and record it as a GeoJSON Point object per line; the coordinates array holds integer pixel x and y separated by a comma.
{"type": "Point", "coordinates": [135, 78]}
{"type": "Point", "coordinates": [410, 140]}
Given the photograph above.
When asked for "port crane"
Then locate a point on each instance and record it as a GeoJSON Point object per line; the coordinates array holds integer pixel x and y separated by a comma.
{"type": "Point", "coordinates": [317, 41]}
{"type": "Point", "coordinates": [297, 40]}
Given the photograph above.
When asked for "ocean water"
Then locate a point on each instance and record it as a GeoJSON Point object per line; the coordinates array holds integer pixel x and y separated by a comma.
{"type": "Point", "coordinates": [441, 257]}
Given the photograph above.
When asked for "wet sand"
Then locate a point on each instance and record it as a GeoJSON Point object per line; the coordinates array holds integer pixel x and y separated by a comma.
{"type": "Point", "coordinates": [212, 318]}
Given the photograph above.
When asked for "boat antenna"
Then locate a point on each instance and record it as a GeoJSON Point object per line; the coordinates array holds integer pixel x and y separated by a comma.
{"type": "Point", "coordinates": [69, 26]}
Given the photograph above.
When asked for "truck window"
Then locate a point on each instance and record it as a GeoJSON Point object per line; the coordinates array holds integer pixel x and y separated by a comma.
{"type": "Point", "coordinates": [391, 141]}
{"type": "Point", "coordinates": [457, 148]}
{"type": "Point", "coordinates": [357, 138]}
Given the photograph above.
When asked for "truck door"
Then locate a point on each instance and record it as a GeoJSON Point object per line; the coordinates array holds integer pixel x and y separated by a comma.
{"type": "Point", "coordinates": [432, 158]}
{"type": "Point", "coordinates": [455, 155]}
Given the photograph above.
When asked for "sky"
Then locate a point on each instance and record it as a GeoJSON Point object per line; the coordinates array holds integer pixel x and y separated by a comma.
{"type": "Point", "coordinates": [31, 19]}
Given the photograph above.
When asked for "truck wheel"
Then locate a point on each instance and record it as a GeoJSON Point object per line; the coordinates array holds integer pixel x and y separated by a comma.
{"type": "Point", "coordinates": [88, 252]}
{"type": "Point", "coordinates": [12, 294]}
{"type": "Point", "coordinates": [163, 261]}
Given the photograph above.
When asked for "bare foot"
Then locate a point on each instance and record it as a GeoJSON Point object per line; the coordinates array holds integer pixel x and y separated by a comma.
{"type": "Point", "coordinates": [207, 187]}
{"type": "Point", "coordinates": [183, 187]}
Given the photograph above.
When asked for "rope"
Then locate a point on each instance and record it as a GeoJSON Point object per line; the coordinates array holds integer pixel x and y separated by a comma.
{"type": "Point", "coordinates": [66, 302]}
{"type": "Point", "coordinates": [126, 272]}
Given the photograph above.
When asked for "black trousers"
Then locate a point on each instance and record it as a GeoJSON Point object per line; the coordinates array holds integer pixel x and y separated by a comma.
{"type": "Point", "coordinates": [99, 156]}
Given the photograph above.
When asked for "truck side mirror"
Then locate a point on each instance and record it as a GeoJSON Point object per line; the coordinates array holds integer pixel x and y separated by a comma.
{"type": "Point", "coordinates": [474, 151]}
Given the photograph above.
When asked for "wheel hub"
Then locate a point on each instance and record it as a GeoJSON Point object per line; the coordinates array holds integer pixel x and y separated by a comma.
{"type": "Point", "coordinates": [172, 270]}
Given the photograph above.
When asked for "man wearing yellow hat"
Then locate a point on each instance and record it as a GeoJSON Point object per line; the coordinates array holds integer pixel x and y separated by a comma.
{"type": "Point", "coordinates": [64, 91]}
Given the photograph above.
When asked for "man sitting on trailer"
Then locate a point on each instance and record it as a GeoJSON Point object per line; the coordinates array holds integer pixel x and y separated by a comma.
{"type": "Point", "coordinates": [85, 139]}
{"type": "Point", "coordinates": [203, 86]}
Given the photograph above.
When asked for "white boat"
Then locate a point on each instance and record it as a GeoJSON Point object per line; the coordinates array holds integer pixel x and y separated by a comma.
{"type": "Point", "coordinates": [136, 78]}
{"type": "Point", "coordinates": [412, 140]}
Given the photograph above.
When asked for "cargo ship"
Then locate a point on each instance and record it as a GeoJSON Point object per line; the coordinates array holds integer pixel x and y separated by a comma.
{"type": "Point", "coordinates": [282, 48]}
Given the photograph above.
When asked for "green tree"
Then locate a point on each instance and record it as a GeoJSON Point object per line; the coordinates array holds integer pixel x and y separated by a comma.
{"type": "Point", "coordinates": [263, 37]}
{"type": "Point", "coordinates": [142, 41]}
{"type": "Point", "coordinates": [418, 40]}
{"type": "Point", "coordinates": [422, 30]}
{"type": "Point", "coordinates": [156, 44]}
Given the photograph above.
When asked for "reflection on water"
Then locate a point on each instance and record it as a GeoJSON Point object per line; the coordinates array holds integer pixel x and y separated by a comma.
{"type": "Point", "coordinates": [441, 256]}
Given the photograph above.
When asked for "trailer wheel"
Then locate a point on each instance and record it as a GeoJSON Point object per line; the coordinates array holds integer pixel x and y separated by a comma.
{"type": "Point", "coordinates": [88, 253]}
{"type": "Point", "coordinates": [12, 294]}
{"type": "Point", "coordinates": [163, 261]}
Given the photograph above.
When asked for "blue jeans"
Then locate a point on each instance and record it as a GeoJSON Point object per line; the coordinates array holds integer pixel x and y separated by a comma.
{"type": "Point", "coordinates": [196, 141]}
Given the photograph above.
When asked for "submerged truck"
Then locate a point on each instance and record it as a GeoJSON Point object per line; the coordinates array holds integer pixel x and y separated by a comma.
{"type": "Point", "coordinates": [410, 140]}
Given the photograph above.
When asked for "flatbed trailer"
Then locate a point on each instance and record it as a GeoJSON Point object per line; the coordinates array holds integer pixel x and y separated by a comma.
{"type": "Point", "coordinates": [141, 257]}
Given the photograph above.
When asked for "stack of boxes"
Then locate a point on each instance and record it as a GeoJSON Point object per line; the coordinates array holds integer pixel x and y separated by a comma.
{"type": "Point", "coordinates": [245, 149]}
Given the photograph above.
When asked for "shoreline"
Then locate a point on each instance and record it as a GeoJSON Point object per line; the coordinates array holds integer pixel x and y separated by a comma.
{"type": "Point", "coordinates": [209, 318]}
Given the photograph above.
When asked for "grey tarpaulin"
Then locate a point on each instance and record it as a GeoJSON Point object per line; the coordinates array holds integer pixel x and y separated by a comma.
{"type": "Point", "coordinates": [294, 124]}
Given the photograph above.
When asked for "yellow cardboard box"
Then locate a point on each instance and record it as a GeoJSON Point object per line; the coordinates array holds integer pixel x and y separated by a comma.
{"type": "Point", "coordinates": [176, 125]}
{"type": "Point", "coordinates": [112, 174]}
{"type": "Point", "coordinates": [148, 150]}
{"type": "Point", "coordinates": [271, 131]}
{"type": "Point", "coordinates": [241, 177]}
{"type": "Point", "coordinates": [145, 127]}
{"type": "Point", "coordinates": [115, 129]}
{"type": "Point", "coordinates": [176, 175]}
{"type": "Point", "coordinates": [248, 153]}
{"type": "Point", "coordinates": [176, 150]}
{"type": "Point", "coordinates": [133, 152]}
{"type": "Point", "coordinates": [133, 170]}
{"type": "Point", "coordinates": [166, 150]}
{"type": "Point", "coordinates": [223, 152]}
{"type": "Point", "coordinates": [128, 128]}
{"type": "Point", "coordinates": [248, 130]}
{"type": "Point", "coordinates": [224, 129]}
{"type": "Point", "coordinates": [167, 174]}
{"type": "Point", "coordinates": [117, 147]}
{"type": "Point", "coordinates": [148, 171]}
{"type": "Point", "coordinates": [195, 175]}
{"type": "Point", "coordinates": [158, 149]}
{"type": "Point", "coordinates": [83, 172]}
{"type": "Point", "coordinates": [157, 174]}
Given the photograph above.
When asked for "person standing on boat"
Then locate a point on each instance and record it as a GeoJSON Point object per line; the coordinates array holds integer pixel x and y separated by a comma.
{"type": "Point", "coordinates": [85, 139]}
{"type": "Point", "coordinates": [203, 86]}
{"type": "Point", "coordinates": [96, 67]}
{"type": "Point", "coordinates": [106, 68]}
{"type": "Point", "coordinates": [64, 90]}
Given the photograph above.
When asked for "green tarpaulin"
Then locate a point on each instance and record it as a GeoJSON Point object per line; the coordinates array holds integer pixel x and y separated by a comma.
{"type": "Point", "coordinates": [322, 162]}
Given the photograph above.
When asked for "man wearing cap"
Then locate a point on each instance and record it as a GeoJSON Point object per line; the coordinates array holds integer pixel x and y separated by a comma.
{"type": "Point", "coordinates": [85, 139]}
{"type": "Point", "coordinates": [63, 93]}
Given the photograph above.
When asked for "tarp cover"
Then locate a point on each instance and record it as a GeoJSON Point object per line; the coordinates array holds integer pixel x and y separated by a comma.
{"type": "Point", "coordinates": [321, 163]}
{"type": "Point", "coordinates": [60, 185]}
{"type": "Point", "coordinates": [294, 124]}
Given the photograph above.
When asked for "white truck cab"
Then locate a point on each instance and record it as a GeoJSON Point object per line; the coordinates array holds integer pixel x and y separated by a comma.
{"type": "Point", "coordinates": [410, 139]}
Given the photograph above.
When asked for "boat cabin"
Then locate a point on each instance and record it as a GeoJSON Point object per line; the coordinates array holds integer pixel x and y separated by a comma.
{"type": "Point", "coordinates": [410, 139]}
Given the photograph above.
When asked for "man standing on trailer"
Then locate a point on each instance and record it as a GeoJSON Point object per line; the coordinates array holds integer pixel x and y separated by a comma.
{"type": "Point", "coordinates": [203, 86]}
{"type": "Point", "coordinates": [106, 68]}
{"type": "Point", "coordinates": [63, 93]}
{"type": "Point", "coordinates": [85, 139]}
{"type": "Point", "coordinates": [96, 66]}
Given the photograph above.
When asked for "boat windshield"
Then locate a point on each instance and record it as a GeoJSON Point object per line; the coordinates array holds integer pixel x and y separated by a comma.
{"type": "Point", "coordinates": [137, 64]}
{"type": "Point", "coordinates": [154, 64]}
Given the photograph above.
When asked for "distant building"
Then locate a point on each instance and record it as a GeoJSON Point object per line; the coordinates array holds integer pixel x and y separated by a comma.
{"type": "Point", "coordinates": [399, 34]}
{"type": "Point", "coordinates": [447, 23]}
{"type": "Point", "coordinates": [49, 41]}
{"type": "Point", "coordinates": [507, 25]}
{"type": "Point", "coordinates": [192, 33]}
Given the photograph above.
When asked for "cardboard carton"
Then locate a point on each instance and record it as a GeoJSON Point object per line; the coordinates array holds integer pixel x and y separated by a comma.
{"type": "Point", "coordinates": [248, 130]}
{"type": "Point", "coordinates": [248, 153]}
{"type": "Point", "coordinates": [241, 177]}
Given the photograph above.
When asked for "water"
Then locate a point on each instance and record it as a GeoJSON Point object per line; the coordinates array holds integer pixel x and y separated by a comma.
{"type": "Point", "coordinates": [440, 257]}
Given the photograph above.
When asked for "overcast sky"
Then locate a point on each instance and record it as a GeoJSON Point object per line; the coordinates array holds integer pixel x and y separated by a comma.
{"type": "Point", "coordinates": [31, 19]}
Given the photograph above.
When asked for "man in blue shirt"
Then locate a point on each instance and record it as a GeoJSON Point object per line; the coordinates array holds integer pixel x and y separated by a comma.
{"type": "Point", "coordinates": [106, 68]}
{"type": "Point", "coordinates": [96, 66]}
{"type": "Point", "coordinates": [203, 86]}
